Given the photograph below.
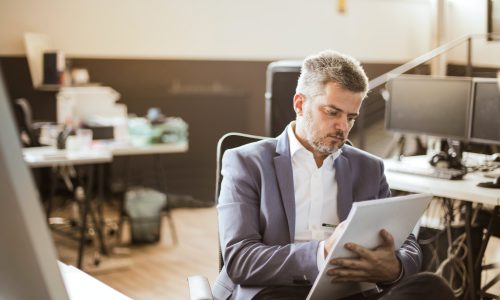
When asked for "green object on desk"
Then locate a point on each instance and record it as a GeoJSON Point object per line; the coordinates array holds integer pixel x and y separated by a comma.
{"type": "Point", "coordinates": [172, 130]}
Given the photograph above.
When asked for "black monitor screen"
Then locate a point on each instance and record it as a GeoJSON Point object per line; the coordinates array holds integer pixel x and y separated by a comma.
{"type": "Point", "coordinates": [485, 123]}
{"type": "Point", "coordinates": [435, 106]}
{"type": "Point", "coordinates": [281, 83]}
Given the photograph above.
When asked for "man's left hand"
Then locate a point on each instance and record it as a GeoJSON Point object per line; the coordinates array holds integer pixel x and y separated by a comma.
{"type": "Point", "coordinates": [377, 265]}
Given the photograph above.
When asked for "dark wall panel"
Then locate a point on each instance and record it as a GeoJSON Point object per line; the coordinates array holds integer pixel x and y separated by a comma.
{"type": "Point", "coordinates": [18, 81]}
{"type": "Point", "coordinates": [213, 97]}
{"type": "Point", "coordinates": [143, 82]}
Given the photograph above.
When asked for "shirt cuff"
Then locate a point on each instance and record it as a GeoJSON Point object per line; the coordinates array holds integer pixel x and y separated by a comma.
{"type": "Point", "coordinates": [320, 256]}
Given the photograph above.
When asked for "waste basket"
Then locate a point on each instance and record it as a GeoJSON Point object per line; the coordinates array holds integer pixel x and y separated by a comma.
{"type": "Point", "coordinates": [144, 206]}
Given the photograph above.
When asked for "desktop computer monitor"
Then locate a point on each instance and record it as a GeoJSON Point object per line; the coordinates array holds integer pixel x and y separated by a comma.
{"type": "Point", "coordinates": [28, 265]}
{"type": "Point", "coordinates": [428, 105]}
{"type": "Point", "coordinates": [281, 81]}
{"type": "Point", "coordinates": [485, 113]}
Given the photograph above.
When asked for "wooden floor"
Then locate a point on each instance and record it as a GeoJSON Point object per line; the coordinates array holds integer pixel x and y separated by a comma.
{"type": "Point", "coordinates": [158, 271]}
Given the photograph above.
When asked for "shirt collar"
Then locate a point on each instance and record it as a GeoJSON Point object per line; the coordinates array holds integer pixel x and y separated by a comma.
{"type": "Point", "coordinates": [296, 146]}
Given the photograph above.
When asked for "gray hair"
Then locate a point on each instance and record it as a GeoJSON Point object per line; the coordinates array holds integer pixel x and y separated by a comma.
{"type": "Point", "coordinates": [326, 66]}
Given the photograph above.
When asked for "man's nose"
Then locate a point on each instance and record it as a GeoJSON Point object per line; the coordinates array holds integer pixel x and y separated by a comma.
{"type": "Point", "coordinates": [341, 123]}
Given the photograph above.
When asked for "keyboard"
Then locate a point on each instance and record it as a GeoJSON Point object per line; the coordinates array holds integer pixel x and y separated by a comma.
{"type": "Point", "coordinates": [451, 174]}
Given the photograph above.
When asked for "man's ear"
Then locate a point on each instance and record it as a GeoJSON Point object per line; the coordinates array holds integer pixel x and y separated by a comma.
{"type": "Point", "coordinates": [298, 103]}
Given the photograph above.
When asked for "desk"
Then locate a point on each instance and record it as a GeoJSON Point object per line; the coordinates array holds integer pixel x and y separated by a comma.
{"type": "Point", "coordinates": [123, 149]}
{"type": "Point", "coordinates": [102, 152]}
{"type": "Point", "coordinates": [80, 285]}
{"type": "Point", "coordinates": [38, 157]}
{"type": "Point", "coordinates": [465, 189]}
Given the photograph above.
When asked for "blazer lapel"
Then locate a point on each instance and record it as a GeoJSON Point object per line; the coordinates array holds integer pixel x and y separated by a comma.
{"type": "Point", "coordinates": [344, 184]}
{"type": "Point", "coordinates": [284, 175]}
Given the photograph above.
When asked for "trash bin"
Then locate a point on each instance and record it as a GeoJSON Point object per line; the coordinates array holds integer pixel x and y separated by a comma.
{"type": "Point", "coordinates": [144, 206]}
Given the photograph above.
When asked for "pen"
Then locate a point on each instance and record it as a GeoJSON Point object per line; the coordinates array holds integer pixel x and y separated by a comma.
{"type": "Point", "coordinates": [328, 225]}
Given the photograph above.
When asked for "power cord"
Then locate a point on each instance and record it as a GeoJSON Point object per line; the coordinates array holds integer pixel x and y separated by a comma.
{"type": "Point", "coordinates": [454, 263]}
{"type": "Point", "coordinates": [453, 268]}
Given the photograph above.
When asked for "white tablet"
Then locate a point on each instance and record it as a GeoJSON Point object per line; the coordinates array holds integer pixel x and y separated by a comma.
{"type": "Point", "coordinates": [398, 215]}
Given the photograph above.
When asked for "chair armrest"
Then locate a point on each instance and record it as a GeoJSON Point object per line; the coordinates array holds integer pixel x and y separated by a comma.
{"type": "Point", "coordinates": [199, 288]}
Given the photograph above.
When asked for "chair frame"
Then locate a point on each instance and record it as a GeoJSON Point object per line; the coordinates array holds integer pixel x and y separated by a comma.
{"type": "Point", "coordinates": [221, 148]}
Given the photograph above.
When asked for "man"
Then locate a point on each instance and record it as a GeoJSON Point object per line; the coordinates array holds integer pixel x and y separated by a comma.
{"type": "Point", "coordinates": [280, 198]}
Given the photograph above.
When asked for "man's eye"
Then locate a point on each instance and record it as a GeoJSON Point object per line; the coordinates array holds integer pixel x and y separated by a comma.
{"type": "Point", "coordinates": [351, 119]}
{"type": "Point", "coordinates": [332, 113]}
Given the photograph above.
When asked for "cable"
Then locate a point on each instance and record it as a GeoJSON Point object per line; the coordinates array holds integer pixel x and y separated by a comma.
{"type": "Point", "coordinates": [453, 268]}
{"type": "Point", "coordinates": [457, 252]}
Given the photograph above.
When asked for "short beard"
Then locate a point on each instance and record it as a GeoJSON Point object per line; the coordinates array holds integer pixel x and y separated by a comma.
{"type": "Point", "coordinates": [319, 143]}
{"type": "Point", "coordinates": [324, 149]}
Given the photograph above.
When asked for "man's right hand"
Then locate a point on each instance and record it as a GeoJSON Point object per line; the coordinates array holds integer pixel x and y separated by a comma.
{"type": "Point", "coordinates": [333, 238]}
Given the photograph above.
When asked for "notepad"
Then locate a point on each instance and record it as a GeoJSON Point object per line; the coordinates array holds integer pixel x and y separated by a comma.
{"type": "Point", "coordinates": [398, 215]}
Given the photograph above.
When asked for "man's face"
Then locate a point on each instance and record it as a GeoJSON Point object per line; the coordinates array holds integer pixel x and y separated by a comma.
{"type": "Point", "coordinates": [324, 121]}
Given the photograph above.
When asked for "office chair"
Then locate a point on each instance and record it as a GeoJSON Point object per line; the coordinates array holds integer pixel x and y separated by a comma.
{"type": "Point", "coordinates": [199, 288]}
{"type": "Point", "coordinates": [226, 142]}
{"type": "Point", "coordinates": [24, 118]}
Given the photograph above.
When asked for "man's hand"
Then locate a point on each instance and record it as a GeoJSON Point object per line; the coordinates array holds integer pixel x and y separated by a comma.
{"type": "Point", "coordinates": [333, 238]}
{"type": "Point", "coordinates": [377, 265]}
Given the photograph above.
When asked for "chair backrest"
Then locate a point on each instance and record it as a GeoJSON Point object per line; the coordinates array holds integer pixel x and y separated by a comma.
{"type": "Point", "coordinates": [22, 112]}
{"type": "Point", "coordinates": [229, 141]}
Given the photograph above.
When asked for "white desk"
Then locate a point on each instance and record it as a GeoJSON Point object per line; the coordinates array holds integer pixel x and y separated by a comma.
{"type": "Point", "coordinates": [101, 152]}
{"type": "Point", "coordinates": [80, 285]}
{"type": "Point", "coordinates": [48, 156]}
{"type": "Point", "coordinates": [39, 157]}
{"type": "Point", "coordinates": [465, 189]}
{"type": "Point", "coordinates": [121, 149]}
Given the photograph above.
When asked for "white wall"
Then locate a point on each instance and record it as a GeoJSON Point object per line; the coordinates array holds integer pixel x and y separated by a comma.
{"type": "Point", "coordinates": [470, 17]}
{"type": "Point", "coordinates": [371, 30]}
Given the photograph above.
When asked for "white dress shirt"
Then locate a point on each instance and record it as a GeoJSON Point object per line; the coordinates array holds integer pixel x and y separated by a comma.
{"type": "Point", "coordinates": [315, 195]}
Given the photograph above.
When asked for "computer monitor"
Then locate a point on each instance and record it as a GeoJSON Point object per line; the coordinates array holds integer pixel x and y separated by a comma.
{"type": "Point", "coordinates": [28, 265]}
{"type": "Point", "coordinates": [428, 105]}
{"type": "Point", "coordinates": [281, 81]}
{"type": "Point", "coordinates": [485, 114]}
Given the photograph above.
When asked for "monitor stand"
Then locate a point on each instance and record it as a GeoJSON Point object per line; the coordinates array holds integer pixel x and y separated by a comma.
{"type": "Point", "coordinates": [495, 184]}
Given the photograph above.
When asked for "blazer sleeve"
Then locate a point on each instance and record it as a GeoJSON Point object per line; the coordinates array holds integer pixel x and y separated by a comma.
{"type": "Point", "coordinates": [410, 256]}
{"type": "Point", "coordinates": [248, 261]}
{"type": "Point", "coordinates": [410, 253]}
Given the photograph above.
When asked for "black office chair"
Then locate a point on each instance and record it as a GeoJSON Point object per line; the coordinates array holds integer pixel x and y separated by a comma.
{"type": "Point", "coordinates": [24, 118]}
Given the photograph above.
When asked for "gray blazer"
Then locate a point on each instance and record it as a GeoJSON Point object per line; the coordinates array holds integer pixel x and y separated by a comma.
{"type": "Point", "coordinates": [257, 216]}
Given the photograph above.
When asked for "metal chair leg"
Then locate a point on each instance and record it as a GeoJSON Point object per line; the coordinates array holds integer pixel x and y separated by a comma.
{"type": "Point", "coordinates": [172, 227]}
